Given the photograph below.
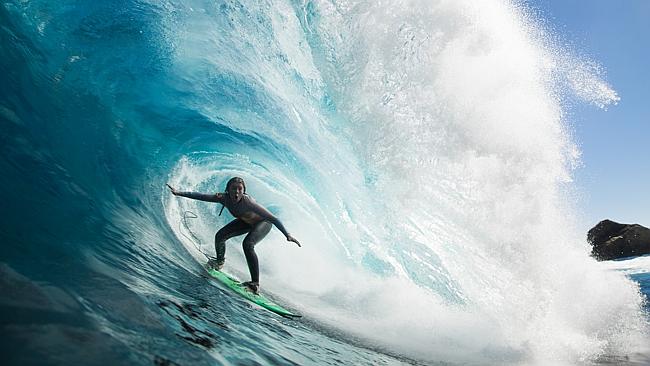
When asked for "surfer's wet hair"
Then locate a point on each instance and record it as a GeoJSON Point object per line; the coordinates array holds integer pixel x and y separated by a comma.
{"type": "Point", "coordinates": [234, 180]}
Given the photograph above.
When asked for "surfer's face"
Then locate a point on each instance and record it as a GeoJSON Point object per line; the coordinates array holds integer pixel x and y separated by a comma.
{"type": "Point", "coordinates": [236, 191]}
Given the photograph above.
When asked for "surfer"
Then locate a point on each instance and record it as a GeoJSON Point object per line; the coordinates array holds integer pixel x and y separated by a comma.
{"type": "Point", "coordinates": [250, 218]}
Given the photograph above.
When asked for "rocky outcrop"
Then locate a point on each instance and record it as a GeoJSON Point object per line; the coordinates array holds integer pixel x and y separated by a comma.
{"type": "Point", "coordinates": [611, 240]}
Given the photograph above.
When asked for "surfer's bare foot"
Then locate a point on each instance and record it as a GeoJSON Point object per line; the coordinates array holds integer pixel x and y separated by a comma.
{"type": "Point", "coordinates": [215, 264]}
{"type": "Point", "coordinates": [253, 286]}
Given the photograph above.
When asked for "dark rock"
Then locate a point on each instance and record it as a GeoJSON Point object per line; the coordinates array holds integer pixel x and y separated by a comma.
{"type": "Point", "coordinates": [611, 240]}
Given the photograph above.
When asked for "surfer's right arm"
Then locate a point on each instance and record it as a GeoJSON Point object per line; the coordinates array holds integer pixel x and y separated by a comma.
{"type": "Point", "coordinates": [217, 197]}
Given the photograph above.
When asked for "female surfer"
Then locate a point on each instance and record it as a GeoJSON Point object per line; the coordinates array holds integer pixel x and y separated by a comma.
{"type": "Point", "coordinates": [250, 218]}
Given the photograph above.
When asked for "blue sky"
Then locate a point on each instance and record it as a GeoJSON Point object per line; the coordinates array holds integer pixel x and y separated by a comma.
{"type": "Point", "coordinates": [614, 181]}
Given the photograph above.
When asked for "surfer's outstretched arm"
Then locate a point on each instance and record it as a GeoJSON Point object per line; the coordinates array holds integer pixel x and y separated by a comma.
{"type": "Point", "coordinates": [264, 213]}
{"type": "Point", "coordinates": [217, 197]}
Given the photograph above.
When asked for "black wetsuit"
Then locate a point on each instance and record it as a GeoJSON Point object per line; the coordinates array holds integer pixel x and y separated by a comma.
{"type": "Point", "coordinates": [250, 217]}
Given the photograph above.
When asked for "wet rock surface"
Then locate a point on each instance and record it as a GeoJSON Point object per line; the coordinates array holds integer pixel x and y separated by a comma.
{"type": "Point", "coordinates": [612, 240]}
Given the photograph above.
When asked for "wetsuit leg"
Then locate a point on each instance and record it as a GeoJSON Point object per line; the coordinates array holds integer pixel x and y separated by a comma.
{"type": "Point", "coordinates": [234, 228]}
{"type": "Point", "coordinates": [257, 233]}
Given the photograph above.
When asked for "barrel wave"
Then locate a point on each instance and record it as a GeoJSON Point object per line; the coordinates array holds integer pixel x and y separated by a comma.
{"type": "Point", "coordinates": [421, 152]}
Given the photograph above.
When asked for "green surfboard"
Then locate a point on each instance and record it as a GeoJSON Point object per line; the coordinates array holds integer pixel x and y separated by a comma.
{"type": "Point", "coordinates": [242, 290]}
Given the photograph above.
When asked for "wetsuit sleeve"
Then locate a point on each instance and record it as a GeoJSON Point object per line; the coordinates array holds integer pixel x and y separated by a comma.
{"type": "Point", "coordinates": [216, 197]}
{"type": "Point", "coordinates": [265, 214]}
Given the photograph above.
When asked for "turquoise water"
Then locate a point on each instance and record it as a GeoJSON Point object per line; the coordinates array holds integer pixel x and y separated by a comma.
{"type": "Point", "coordinates": [420, 152]}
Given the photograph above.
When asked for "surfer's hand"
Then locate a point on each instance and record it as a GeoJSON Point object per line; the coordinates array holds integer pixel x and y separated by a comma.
{"type": "Point", "coordinates": [292, 239]}
{"type": "Point", "coordinates": [173, 190]}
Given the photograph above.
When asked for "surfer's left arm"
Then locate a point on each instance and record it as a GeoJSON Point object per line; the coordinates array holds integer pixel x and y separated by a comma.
{"type": "Point", "coordinates": [265, 214]}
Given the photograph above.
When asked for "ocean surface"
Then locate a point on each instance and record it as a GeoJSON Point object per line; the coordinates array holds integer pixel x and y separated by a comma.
{"type": "Point", "coordinates": [421, 151]}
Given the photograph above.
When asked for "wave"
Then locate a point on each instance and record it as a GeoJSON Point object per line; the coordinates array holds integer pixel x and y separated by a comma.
{"type": "Point", "coordinates": [420, 151]}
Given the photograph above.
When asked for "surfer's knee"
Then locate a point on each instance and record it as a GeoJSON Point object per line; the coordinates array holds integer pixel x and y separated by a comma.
{"type": "Point", "coordinates": [220, 236]}
{"type": "Point", "coordinates": [249, 246]}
